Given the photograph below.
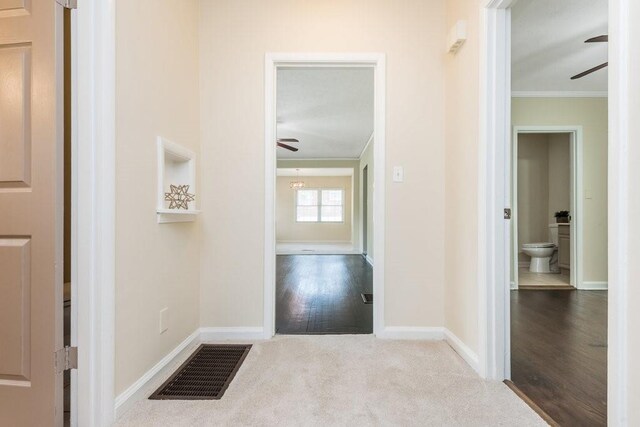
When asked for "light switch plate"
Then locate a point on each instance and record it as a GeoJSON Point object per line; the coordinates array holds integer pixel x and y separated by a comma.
{"type": "Point", "coordinates": [398, 174]}
{"type": "Point", "coordinates": [164, 319]}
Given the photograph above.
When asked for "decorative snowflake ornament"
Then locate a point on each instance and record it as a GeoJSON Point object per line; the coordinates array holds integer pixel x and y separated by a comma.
{"type": "Point", "coordinates": [179, 197]}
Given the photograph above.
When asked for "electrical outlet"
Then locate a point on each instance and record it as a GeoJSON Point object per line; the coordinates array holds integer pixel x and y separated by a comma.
{"type": "Point", "coordinates": [164, 319]}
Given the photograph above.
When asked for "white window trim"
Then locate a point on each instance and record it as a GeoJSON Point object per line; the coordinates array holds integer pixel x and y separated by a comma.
{"type": "Point", "coordinates": [319, 206]}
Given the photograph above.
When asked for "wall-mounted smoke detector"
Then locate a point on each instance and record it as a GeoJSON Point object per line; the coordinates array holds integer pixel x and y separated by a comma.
{"type": "Point", "coordinates": [457, 36]}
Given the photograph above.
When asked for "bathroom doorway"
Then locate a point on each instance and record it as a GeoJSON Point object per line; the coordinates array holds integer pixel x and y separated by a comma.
{"type": "Point", "coordinates": [547, 212]}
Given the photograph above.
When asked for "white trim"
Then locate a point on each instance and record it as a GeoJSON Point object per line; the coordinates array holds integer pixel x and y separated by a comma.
{"type": "Point", "coordinates": [315, 172]}
{"type": "Point", "coordinates": [559, 94]}
{"type": "Point", "coordinates": [369, 259]}
{"type": "Point", "coordinates": [139, 389]}
{"type": "Point", "coordinates": [577, 203]}
{"type": "Point", "coordinates": [493, 190]}
{"type": "Point", "coordinates": [514, 287]}
{"type": "Point", "coordinates": [240, 333]}
{"type": "Point", "coordinates": [318, 159]}
{"type": "Point", "coordinates": [523, 264]}
{"type": "Point", "coordinates": [462, 349]}
{"type": "Point", "coordinates": [621, 84]}
{"type": "Point", "coordinates": [272, 62]}
{"type": "Point", "coordinates": [411, 333]}
{"type": "Point", "coordinates": [594, 286]}
{"type": "Point", "coordinates": [365, 147]}
{"type": "Point", "coordinates": [94, 194]}
{"type": "Point", "coordinates": [317, 252]}
{"type": "Point", "coordinates": [317, 242]}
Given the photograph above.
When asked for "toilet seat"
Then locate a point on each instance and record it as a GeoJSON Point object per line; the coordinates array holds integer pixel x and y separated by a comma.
{"type": "Point", "coordinates": [539, 245]}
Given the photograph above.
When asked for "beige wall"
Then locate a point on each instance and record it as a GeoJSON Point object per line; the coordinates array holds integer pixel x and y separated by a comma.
{"type": "Point", "coordinates": [156, 264]}
{"type": "Point", "coordinates": [462, 137]}
{"type": "Point", "coordinates": [559, 174]}
{"type": "Point", "coordinates": [321, 163]}
{"type": "Point", "coordinates": [366, 160]}
{"type": "Point", "coordinates": [234, 39]}
{"type": "Point", "coordinates": [289, 230]}
{"type": "Point", "coordinates": [591, 114]}
{"type": "Point", "coordinates": [533, 189]}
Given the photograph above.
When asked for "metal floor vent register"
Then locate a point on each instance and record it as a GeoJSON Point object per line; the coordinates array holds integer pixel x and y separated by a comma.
{"type": "Point", "coordinates": [205, 375]}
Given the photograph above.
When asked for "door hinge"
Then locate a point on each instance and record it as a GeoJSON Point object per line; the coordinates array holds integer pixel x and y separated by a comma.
{"type": "Point", "coordinates": [507, 213]}
{"type": "Point", "coordinates": [68, 4]}
{"type": "Point", "coordinates": [66, 358]}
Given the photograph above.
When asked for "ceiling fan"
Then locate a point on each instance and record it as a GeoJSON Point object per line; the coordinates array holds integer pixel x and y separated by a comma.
{"type": "Point", "coordinates": [280, 142]}
{"type": "Point", "coordinates": [598, 39]}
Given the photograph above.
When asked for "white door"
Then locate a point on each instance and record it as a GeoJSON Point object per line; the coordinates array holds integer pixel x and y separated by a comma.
{"type": "Point", "coordinates": [31, 185]}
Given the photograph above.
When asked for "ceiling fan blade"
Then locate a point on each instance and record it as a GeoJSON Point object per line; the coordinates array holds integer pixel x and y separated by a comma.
{"type": "Point", "coordinates": [598, 39]}
{"type": "Point", "coordinates": [287, 140]}
{"type": "Point", "coordinates": [592, 70]}
{"type": "Point", "coordinates": [285, 146]}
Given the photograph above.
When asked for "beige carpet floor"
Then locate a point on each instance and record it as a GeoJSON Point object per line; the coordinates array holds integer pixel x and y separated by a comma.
{"type": "Point", "coordinates": [348, 380]}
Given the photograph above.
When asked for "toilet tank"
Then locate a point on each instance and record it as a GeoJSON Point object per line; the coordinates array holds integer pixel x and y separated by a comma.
{"type": "Point", "coordinates": [553, 233]}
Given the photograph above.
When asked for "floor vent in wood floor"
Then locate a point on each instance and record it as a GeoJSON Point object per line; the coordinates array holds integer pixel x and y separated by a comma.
{"type": "Point", "coordinates": [367, 298]}
{"type": "Point", "coordinates": [205, 375]}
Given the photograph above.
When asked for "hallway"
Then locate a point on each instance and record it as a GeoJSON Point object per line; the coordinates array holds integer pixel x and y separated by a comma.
{"type": "Point", "coordinates": [346, 381]}
{"type": "Point", "coordinates": [320, 294]}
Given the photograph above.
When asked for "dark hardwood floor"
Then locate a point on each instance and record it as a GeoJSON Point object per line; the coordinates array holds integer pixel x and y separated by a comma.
{"type": "Point", "coordinates": [559, 353]}
{"type": "Point", "coordinates": [320, 294]}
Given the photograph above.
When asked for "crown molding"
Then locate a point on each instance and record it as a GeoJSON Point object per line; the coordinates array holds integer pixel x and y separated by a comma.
{"type": "Point", "coordinates": [559, 94]}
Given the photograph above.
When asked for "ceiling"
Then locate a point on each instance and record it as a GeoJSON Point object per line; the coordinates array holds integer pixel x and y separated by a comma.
{"type": "Point", "coordinates": [330, 110]}
{"type": "Point", "coordinates": [547, 46]}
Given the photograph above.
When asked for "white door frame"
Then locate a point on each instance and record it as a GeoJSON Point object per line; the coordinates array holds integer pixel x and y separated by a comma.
{"type": "Point", "coordinates": [576, 200]}
{"type": "Point", "coordinates": [93, 212]}
{"type": "Point", "coordinates": [493, 197]}
{"type": "Point", "coordinates": [273, 61]}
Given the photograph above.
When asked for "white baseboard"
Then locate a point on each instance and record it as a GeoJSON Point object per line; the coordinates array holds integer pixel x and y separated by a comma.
{"type": "Point", "coordinates": [524, 264]}
{"type": "Point", "coordinates": [412, 333]}
{"type": "Point", "coordinates": [463, 350]}
{"type": "Point", "coordinates": [317, 252]}
{"type": "Point", "coordinates": [240, 333]}
{"type": "Point", "coordinates": [315, 242]}
{"type": "Point", "coordinates": [594, 286]}
{"type": "Point", "coordinates": [138, 390]}
{"type": "Point", "coordinates": [369, 260]}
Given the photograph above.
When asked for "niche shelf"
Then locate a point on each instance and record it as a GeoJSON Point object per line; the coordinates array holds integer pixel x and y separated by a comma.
{"type": "Point", "coordinates": [176, 166]}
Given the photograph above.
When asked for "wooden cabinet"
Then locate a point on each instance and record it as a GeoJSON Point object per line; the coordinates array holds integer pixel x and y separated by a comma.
{"type": "Point", "coordinates": [564, 246]}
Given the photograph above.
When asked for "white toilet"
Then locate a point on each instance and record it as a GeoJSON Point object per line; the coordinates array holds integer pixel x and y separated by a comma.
{"type": "Point", "coordinates": [541, 253]}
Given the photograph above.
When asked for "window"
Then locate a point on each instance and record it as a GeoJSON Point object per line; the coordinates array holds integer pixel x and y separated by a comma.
{"type": "Point", "coordinates": [320, 205]}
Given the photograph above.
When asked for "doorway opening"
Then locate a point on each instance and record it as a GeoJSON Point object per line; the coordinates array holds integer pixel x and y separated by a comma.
{"type": "Point", "coordinates": [557, 306]}
{"type": "Point", "coordinates": [324, 143]}
{"type": "Point", "coordinates": [314, 243]}
{"type": "Point", "coordinates": [546, 225]}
